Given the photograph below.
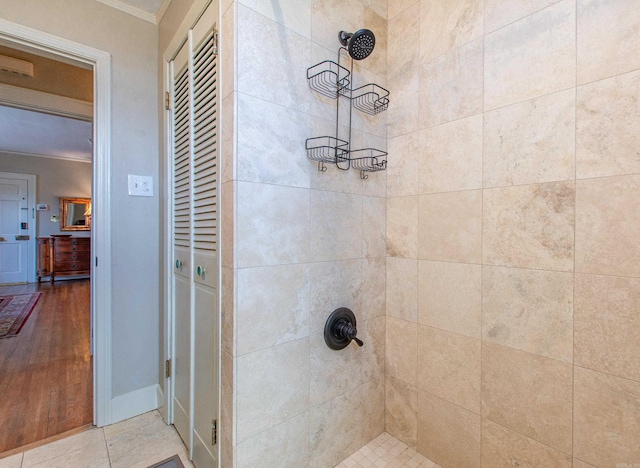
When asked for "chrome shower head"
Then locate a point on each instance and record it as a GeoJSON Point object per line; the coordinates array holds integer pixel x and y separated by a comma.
{"type": "Point", "coordinates": [359, 44]}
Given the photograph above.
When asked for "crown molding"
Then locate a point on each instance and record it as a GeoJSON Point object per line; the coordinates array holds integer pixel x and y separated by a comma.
{"type": "Point", "coordinates": [133, 11]}
{"type": "Point", "coordinates": [48, 156]}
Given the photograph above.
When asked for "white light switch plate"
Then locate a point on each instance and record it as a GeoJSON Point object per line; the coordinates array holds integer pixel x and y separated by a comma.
{"type": "Point", "coordinates": [140, 186]}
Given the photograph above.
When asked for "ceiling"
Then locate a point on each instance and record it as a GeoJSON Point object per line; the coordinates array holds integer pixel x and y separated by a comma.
{"type": "Point", "coordinates": [35, 133]}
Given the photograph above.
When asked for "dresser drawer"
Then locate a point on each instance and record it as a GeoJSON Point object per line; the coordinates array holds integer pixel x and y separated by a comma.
{"type": "Point", "coordinates": [71, 266]}
{"type": "Point", "coordinates": [65, 257]}
{"type": "Point", "coordinates": [69, 247]}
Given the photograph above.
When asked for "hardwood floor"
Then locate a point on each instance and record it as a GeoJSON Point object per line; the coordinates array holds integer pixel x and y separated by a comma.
{"type": "Point", "coordinates": [46, 382]}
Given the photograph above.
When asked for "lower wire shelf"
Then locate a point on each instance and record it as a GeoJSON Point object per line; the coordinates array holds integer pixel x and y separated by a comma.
{"type": "Point", "coordinates": [368, 160]}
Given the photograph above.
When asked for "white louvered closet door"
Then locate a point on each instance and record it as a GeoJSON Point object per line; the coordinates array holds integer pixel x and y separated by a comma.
{"type": "Point", "coordinates": [196, 215]}
{"type": "Point", "coordinates": [181, 361]}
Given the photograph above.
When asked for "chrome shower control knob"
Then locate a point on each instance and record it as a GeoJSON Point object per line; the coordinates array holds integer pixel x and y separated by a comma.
{"type": "Point", "coordinates": [340, 329]}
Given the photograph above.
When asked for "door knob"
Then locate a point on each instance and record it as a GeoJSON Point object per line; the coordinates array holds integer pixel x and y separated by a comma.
{"type": "Point", "coordinates": [200, 270]}
{"type": "Point", "coordinates": [179, 264]}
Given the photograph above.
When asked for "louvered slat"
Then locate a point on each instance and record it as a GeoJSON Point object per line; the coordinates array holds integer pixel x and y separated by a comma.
{"type": "Point", "coordinates": [181, 174]}
{"type": "Point", "coordinates": [205, 101]}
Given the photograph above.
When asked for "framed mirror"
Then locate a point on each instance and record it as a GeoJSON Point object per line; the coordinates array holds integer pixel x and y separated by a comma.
{"type": "Point", "coordinates": [75, 214]}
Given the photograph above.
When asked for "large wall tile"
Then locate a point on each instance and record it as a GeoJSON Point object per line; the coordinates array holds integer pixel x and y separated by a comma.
{"type": "Point", "coordinates": [272, 375]}
{"type": "Point", "coordinates": [607, 224]}
{"type": "Point", "coordinates": [280, 75]}
{"type": "Point", "coordinates": [333, 372]}
{"type": "Point", "coordinates": [451, 226]}
{"type": "Point", "coordinates": [447, 434]}
{"type": "Point", "coordinates": [273, 225]}
{"type": "Point", "coordinates": [499, 13]}
{"type": "Point", "coordinates": [228, 312]}
{"type": "Point", "coordinates": [607, 419]}
{"type": "Point", "coordinates": [228, 164]}
{"type": "Point", "coordinates": [336, 429]}
{"type": "Point", "coordinates": [451, 156]}
{"type": "Point", "coordinates": [449, 296]}
{"type": "Point", "coordinates": [379, 6]}
{"type": "Point", "coordinates": [530, 142]}
{"type": "Point", "coordinates": [402, 288]}
{"type": "Point", "coordinates": [293, 15]}
{"type": "Point", "coordinates": [402, 116]}
{"type": "Point", "coordinates": [273, 307]}
{"type": "Point", "coordinates": [335, 226]}
{"type": "Point", "coordinates": [286, 446]}
{"type": "Point", "coordinates": [449, 367]}
{"type": "Point", "coordinates": [372, 333]}
{"type": "Point", "coordinates": [529, 310]}
{"type": "Point", "coordinates": [608, 38]}
{"type": "Point", "coordinates": [608, 116]}
{"type": "Point", "coordinates": [398, 6]}
{"type": "Point", "coordinates": [402, 227]}
{"type": "Point", "coordinates": [403, 174]}
{"type": "Point", "coordinates": [530, 226]}
{"type": "Point", "coordinates": [374, 226]}
{"type": "Point", "coordinates": [271, 143]}
{"type": "Point", "coordinates": [446, 24]}
{"type": "Point", "coordinates": [451, 85]}
{"type": "Point", "coordinates": [402, 411]}
{"type": "Point", "coordinates": [528, 393]}
{"type": "Point", "coordinates": [504, 447]}
{"type": "Point", "coordinates": [532, 57]}
{"type": "Point", "coordinates": [373, 410]}
{"type": "Point", "coordinates": [373, 289]}
{"type": "Point", "coordinates": [227, 227]}
{"type": "Point", "coordinates": [404, 49]}
{"type": "Point", "coordinates": [607, 325]}
{"type": "Point", "coordinates": [401, 346]}
{"type": "Point", "coordinates": [580, 464]}
{"type": "Point", "coordinates": [332, 285]}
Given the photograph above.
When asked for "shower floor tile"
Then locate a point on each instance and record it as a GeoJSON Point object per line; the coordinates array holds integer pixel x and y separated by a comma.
{"type": "Point", "coordinates": [385, 451]}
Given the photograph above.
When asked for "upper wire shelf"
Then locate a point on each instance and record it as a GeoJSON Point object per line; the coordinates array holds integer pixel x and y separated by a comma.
{"type": "Point", "coordinates": [328, 78]}
{"type": "Point", "coordinates": [370, 99]}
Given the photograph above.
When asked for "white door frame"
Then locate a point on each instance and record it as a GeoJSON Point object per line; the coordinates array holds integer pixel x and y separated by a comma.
{"type": "Point", "coordinates": [101, 194]}
{"type": "Point", "coordinates": [31, 219]}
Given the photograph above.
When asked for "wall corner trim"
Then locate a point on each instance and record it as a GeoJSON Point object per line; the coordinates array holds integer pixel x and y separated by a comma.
{"type": "Point", "coordinates": [134, 403]}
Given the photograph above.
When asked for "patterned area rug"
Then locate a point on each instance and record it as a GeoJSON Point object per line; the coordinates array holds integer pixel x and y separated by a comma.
{"type": "Point", "coordinates": [14, 312]}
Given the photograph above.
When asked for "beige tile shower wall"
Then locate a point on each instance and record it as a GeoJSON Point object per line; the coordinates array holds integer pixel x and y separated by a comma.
{"type": "Point", "coordinates": [513, 209]}
{"type": "Point", "coordinates": [304, 242]}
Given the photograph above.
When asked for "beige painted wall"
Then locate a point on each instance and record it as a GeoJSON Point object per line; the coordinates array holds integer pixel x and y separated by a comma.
{"type": "Point", "coordinates": [132, 44]}
{"type": "Point", "coordinates": [513, 335]}
{"type": "Point", "coordinates": [55, 178]}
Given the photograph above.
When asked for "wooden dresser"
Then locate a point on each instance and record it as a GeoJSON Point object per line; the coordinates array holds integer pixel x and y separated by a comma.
{"type": "Point", "coordinates": [63, 256]}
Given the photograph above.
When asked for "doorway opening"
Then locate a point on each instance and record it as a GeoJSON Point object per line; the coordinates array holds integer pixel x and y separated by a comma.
{"type": "Point", "coordinates": [99, 287]}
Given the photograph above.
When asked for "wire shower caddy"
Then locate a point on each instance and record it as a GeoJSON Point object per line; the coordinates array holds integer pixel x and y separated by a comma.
{"type": "Point", "coordinates": [332, 80]}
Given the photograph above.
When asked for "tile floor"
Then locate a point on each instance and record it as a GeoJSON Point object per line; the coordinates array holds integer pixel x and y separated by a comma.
{"type": "Point", "coordinates": [385, 451]}
{"type": "Point", "coordinates": [146, 439]}
{"type": "Point", "coordinates": [136, 442]}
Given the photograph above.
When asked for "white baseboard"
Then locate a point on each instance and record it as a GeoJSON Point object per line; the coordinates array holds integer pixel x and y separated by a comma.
{"type": "Point", "coordinates": [134, 403]}
{"type": "Point", "coordinates": [162, 407]}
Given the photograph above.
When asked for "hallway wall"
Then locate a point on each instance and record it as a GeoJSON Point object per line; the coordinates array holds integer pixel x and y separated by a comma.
{"type": "Point", "coordinates": [512, 218]}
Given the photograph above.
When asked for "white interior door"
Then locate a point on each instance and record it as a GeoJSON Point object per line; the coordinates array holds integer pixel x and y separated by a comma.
{"type": "Point", "coordinates": [195, 130]}
{"type": "Point", "coordinates": [14, 230]}
{"type": "Point", "coordinates": [205, 238]}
